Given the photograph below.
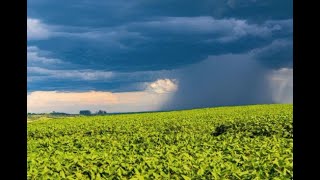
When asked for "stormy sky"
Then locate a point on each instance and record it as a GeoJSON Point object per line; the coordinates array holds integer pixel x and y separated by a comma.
{"type": "Point", "coordinates": [142, 55]}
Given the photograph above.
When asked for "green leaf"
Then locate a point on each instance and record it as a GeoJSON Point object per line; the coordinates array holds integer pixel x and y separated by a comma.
{"type": "Point", "coordinates": [200, 172]}
{"type": "Point", "coordinates": [186, 177]}
{"type": "Point", "coordinates": [62, 174]}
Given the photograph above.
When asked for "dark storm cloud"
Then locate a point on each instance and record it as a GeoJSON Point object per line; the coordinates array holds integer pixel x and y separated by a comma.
{"type": "Point", "coordinates": [162, 43]}
{"type": "Point", "coordinates": [110, 13]}
{"type": "Point", "coordinates": [278, 54]}
{"type": "Point", "coordinates": [237, 79]}
{"type": "Point", "coordinates": [220, 51]}
{"type": "Point", "coordinates": [220, 81]}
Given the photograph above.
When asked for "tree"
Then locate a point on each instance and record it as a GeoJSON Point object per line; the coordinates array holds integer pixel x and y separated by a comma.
{"type": "Point", "coordinates": [101, 112]}
{"type": "Point", "coordinates": [85, 112]}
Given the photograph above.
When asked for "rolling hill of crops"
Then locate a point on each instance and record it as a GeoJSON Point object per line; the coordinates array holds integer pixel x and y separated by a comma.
{"type": "Point", "coordinates": [241, 142]}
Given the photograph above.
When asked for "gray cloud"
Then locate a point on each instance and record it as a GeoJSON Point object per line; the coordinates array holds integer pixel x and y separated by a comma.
{"type": "Point", "coordinates": [95, 13]}
{"type": "Point", "coordinates": [278, 54]}
{"type": "Point", "coordinates": [245, 3]}
{"type": "Point", "coordinates": [219, 81]}
{"type": "Point", "coordinates": [69, 74]}
{"type": "Point", "coordinates": [113, 37]}
{"type": "Point", "coordinates": [234, 79]}
{"type": "Point", "coordinates": [281, 82]}
{"type": "Point", "coordinates": [226, 30]}
{"type": "Point", "coordinates": [37, 57]}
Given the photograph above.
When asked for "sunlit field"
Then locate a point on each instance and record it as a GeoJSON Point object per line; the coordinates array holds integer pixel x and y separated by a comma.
{"type": "Point", "coordinates": [241, 142]}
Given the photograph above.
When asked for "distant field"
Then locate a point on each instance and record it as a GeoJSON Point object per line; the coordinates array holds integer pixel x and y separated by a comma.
{"type": "Point", "coordinates": [242, 142]}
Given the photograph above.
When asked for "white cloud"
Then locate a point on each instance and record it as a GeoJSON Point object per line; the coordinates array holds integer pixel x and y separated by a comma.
{"type": "Point", "coordinates": [40, 67]}
{"type": "Point", "coordinates": [163, 86]}
{"type": "Point", "coordinates": [85, 74]}
{"type": "Point", "coordinates": [151, 99]}
{"type": "Point", "coordinates": [276, 25]}
{"type": "Point", "coordinates": [225, 29]}
{"type": "Point", "coordinates": [281, 82]}
{"type": "Point", "coordinates": [32, 48]}
{"type": "Point", "coordinates": [244, 3]}
{"type": "Point", "coordinates": [276, 45]}
{"type": "Point", "coordinates": [100, 33]}
{"type": "Point", "coordinates": [36, 30]}
{"type": "Point", "coordinates": [112, 38]}
{"type": "Point", "coordinates": [73, 102]}
{"type": "Point", "coordinates": [34, 57]}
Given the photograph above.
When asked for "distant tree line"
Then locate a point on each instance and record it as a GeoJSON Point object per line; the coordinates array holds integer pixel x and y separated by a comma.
{"type": "Point", "coordinates": [29, 113]}
{"type": "Point", "coordinates": [88, 112]}
{"type": "Point", "coordinates": [58, 113]}
{"type": "Point", "coordinates": [82, 112]}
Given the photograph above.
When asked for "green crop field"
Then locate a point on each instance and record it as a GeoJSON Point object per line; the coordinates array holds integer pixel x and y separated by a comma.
{"type": "Point", "coordinates": [242, 142]}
